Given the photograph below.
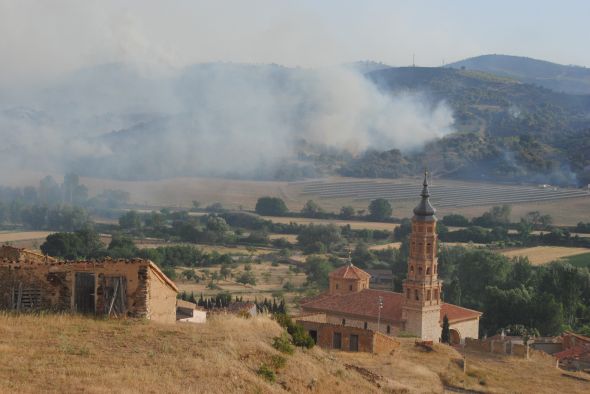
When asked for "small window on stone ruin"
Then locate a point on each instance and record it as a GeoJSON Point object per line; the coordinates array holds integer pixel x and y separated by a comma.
{"type": "Point", "coordinates": [416, 295]}
{"type": "Point", "coordinates": [366, 325]}
{"type": "Point", "coordinates": [388, 329]}
{"type": "Point", "coordinates": [343, 322]}
{"type": "Point", "coordinates": [428, 295]}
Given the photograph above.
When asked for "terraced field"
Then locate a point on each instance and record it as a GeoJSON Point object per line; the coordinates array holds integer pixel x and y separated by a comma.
{"type": "Point", "coordinates": [443, 195]}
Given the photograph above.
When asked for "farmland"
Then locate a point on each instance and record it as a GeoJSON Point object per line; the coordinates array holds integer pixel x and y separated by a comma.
{"type": "Point", "coordinates": [355, 225]}
{"type": "Point", "coordinates": [24, 239]}
{"type": "Point", "coordinates": [540, 255]}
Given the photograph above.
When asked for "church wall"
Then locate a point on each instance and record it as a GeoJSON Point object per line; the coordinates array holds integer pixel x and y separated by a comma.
{"type": "Point", "coordinates": [467, 329]}
{"type": "Point", "coordinates": [360, 323]}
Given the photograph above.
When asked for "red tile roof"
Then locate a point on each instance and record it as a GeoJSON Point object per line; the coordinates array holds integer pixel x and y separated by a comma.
{"type": "Point", "coordinates": [573, 353]}
{"type": "Point", "coordinates": [364, 304]}
{"type": "Point", "coordinates": [349, 272]}
{"type": "Point", "coordinates": [457, 313]}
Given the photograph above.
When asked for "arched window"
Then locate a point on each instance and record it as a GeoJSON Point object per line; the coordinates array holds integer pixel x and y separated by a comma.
{"type": "Point", "coordinates": [343, 322]}
{"type": "Point", "coordinates": [350, 287]}
{"type": "Point", "coordinates": [388, 329]}
{"type": "Point", "coordinates": [366, 325]}
{"type": "Point", "coordinates": [412, 269]}
{"type": "Point", "coordinates": [428, 271]}
{"type": "Point", "coordinates": [420, 270]}
{"type": "Point", "coordinates": [416, 295]}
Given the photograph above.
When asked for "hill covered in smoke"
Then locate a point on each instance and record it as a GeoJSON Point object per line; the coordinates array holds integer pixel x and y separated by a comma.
{"type": "Point", "coordinates": [272, 122]}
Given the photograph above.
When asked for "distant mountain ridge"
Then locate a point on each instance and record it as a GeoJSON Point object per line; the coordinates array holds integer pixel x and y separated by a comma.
{"type": "Point", "coordinates": [558, 77]}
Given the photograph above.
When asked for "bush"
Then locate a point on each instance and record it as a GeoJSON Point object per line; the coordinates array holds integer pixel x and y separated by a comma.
{"type": "Point", "coordinates": [271, 206]}
{"type": "Point", "coordinates": [283, 344]}
{"type": "Point", "coordinates": [277, 362]}
{"type": "Point", "coordinates": [267, 373]}
{"type": "Point", "coordinates": [298, 334]}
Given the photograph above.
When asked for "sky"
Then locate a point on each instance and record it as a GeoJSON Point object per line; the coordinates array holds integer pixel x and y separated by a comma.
{"type": "Point", "coordinates": [42, 39]}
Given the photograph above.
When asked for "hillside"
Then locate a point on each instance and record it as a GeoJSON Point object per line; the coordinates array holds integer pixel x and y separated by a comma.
{"type": "Point", "coordinates": [72, 354]}
{"type": "Point", "coordinates": [558, 77]}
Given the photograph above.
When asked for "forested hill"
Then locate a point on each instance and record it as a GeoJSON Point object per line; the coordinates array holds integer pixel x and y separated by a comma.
{"type": "Point", "coordinates": [558, 77]}
{"type": "Point", "coordinates": [506, 130]}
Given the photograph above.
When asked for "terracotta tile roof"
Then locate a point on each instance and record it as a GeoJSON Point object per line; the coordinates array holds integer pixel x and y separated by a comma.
{"type": "Point", "coordinates": [349, 272]}
{"type": "Point", "coordinates": [364, 304]}
{"type": "Point", "coordinates": [574, 352]}
{"type": "Point", "coordinates": [457, 313]}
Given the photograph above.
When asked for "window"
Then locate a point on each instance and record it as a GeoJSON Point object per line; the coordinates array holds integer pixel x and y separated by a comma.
{"type": "Point", "coordinates": [412, 269]}
{"type": "Point", "coordinates": [343, 322]}
{"type": "Point", "coordinates": [428, 271]}
{"type": "Point", "coordinates": [366, 325]}
{"type": "Point", "coordinates": [388, 329]}
{"type": "Point", "coordinates": [428, 295]}
{"type": "Point", "coordinates": [436, 294]}
{"type": "Point", "coordinates": [350, 287]}
{"type": "Point", "coordinates": [336, 286]}
{"type": "Point", "coordinates": [337, 340]}
{"type": "Point", "coordinates": [354, 343]}
{"type": "Point", "coordinates": [416, 295]}
{"type": "Point", "coordinates": [420, 270]}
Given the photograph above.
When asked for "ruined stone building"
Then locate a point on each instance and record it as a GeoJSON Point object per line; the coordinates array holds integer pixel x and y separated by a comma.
{"type": "Point", "coordinates": [122, 288]}
{"type": "Point", "coordinates": [418, 310]}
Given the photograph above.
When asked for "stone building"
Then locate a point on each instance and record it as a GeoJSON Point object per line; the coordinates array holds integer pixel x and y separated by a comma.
{"type": "Point", "coordinates": [133, 288]}
{"type": "Point", "coordinates": [419, 310]}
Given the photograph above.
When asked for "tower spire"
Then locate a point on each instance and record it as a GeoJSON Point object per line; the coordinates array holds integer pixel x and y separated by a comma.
{"type": "Point", "coordinates": [424, 209]}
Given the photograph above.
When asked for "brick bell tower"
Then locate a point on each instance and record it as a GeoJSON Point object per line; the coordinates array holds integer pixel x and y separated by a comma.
{"type": "Point", "coordinates": [422, 289]}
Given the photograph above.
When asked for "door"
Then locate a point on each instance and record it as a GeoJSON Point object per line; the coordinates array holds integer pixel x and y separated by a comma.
{"type": "Point", "coordinates": [337, 341]}
{"type": "Point", "coordinates": [314, 335]}
{"type": "Point", "coordinates": [84, 292]}
{"type": "Point", "coordinates": [354, 343]}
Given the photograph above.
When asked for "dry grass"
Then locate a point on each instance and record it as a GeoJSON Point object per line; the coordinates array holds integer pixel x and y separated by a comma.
{"type": "Point", "coordinates": [75, 354]}
{"type": "Point", "coordinates": [63, 353]}
{"type": "Point", "coordinates": [393, 245]}
{"type": "Point", "coordinates": [23, 236]}
{"type": "Point", "coordinates": [540, 255]}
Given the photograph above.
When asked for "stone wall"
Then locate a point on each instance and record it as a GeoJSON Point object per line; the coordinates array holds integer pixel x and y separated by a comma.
{"type": "Point", "coordinates": [55, 282]}
{"type": "Point", "coordinates": [162, 299]}
{"type": "Point", "coordinates": [360, 323]}
{"type": "Point", "coordinates": [498, 346]}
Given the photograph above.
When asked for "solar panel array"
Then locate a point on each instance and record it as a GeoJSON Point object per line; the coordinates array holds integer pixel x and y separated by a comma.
{"type": "Point", "coordinates": [442, 195]}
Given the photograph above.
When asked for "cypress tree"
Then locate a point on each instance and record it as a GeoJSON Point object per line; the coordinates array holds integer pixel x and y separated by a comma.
{"type": "Point", "coordinates": [445, 336]}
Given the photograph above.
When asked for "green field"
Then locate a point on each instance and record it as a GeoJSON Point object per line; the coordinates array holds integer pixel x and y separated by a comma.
{"type": "Point", "coordinates": [580, 260]}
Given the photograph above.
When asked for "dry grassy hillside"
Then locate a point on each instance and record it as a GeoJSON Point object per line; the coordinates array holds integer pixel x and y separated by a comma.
{"type": "Point", "coordinates": [64, 353]}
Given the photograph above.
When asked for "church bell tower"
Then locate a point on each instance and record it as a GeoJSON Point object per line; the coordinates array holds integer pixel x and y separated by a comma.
{"type": "Point", "coordinates": [422, 289]}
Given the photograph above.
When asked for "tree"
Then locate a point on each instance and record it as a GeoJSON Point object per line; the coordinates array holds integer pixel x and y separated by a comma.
{"type": "Point", "coordinates": [271, 206]}
{"type": "Point", "coordinates": [380, 209]}
{"type": "Point", "coordinates": [346, 212]}
{"type": "Point", "coordinates": [455, 220]}
{"type": "Point", "coordinates": [445, 335]}
{"type": "Point", "coordinates": [130, 221]}
{"type": "Point", "coordinates": [122, 246]}
{"type": "Point", "coordinates": [317, 270]}
{"type": "Point", "coordinates": [313, 237]}
{"type": "Point", "coordinates": [311, 209]}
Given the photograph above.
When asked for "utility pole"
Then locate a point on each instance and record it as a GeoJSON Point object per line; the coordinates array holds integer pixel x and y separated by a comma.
{"type": "Point", "coordinates": [380, 306]}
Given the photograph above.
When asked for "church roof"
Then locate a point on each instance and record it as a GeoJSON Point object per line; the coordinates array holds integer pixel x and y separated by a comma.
{"type": "Point", "coordinates": [364, 304]}
{"type": "Point", "coordinates": [349, 271]}
{"type": "Point", "coordinates": [424, 211]}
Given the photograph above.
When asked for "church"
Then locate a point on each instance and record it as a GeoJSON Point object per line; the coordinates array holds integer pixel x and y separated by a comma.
{"type": "Point", "coordinates": [350, 305]}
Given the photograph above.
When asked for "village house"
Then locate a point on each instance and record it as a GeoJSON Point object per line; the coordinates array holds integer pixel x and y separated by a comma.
{"type": "Point", "coordinates": [122, 288]}
{"type": "Point", "coordinates": [350, 304]}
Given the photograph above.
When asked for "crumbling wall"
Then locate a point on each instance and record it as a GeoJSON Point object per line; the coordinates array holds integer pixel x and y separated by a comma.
{"type": "Point", "coordinates": [162, 299]}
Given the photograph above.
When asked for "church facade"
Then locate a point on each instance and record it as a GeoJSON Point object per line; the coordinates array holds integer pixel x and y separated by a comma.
{"type": "Point", "coordinates": [418, 310]}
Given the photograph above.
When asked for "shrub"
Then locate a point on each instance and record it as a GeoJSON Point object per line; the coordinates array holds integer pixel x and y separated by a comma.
{"type": "Point", "coordinates": [267, 373]}
{"type": "Point", "coordinates": [283, 344]}
{"type": "Point", "coordinates": [277, 362]}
